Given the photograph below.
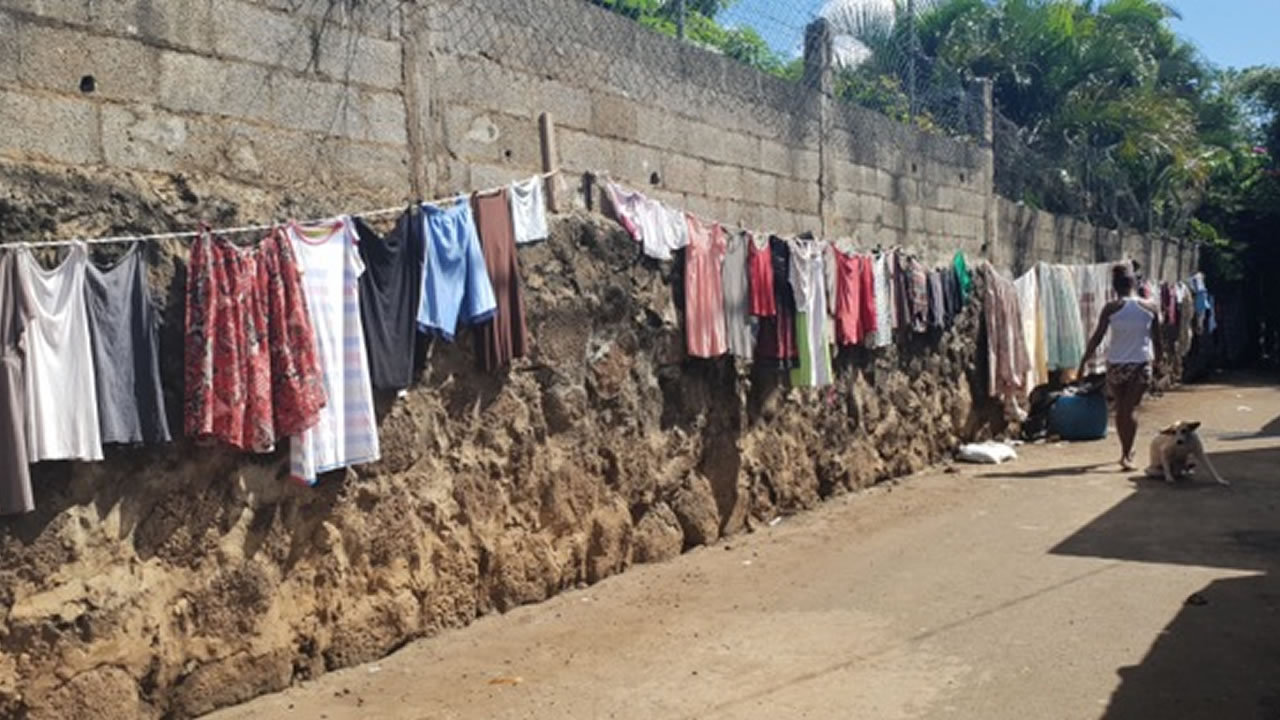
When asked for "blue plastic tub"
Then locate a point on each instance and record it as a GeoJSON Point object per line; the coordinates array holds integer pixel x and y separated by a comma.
{"type": "Point", "coordinates": [1079, 417]}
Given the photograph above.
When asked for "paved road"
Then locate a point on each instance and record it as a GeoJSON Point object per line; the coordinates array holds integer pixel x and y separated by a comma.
{"type": "Point", "coordinates": [1048, 588]}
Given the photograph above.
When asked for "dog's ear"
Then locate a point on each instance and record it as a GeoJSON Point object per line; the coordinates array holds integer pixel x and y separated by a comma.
{"type": "Point", "coordinates": [1172, 429]}
{"type": "Point", "coordinates": [1191, 426]}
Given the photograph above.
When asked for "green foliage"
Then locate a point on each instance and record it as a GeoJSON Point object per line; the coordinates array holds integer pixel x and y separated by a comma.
{"type": "Point", "coordinates": [740, 43]}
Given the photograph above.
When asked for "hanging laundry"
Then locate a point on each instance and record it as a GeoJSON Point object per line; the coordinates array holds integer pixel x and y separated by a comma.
{"type": "Point", "coordinates": [528, 210]}
{"type": "Point", "coordinates": [455, 280]}
{"type": "Point", "coordinates": [901, 279]}
{"type": "Point", "coordinates": [503, 337]}
{"type": "Point", "coordinates": [917, 279]}
{"type": "Point", "coordinates": [1064, 331]}
{"type": "Point", "coordinates": [855, 311]}
{"type": "Point", "coordinates": [251, 371]}
{"type": "Point", "coordinates": [1093, 286]}
{"type": "Point", "coordinates": [15, 475]}
{"type": "Point", "coordinates": [1186, 316]}
{"type": "Point", "coordinates": [1028, 287]}
{"type": "Point", "coordinates": [937, 301]}
{"type": "Point", "coordinates": [808, 281]}
{"type": "Point", "coordinates": [704, 317]}
{"type": "Point", "coordinates": [952, 302]}
{"type": "Point", "coordinates": [390, 295]}
{"type": "Point", "coordinates": [737, 297]}
{"type": "Point", "coordinates": [347, 432]}
{"type": "Point", "coordinates": [62, 397]}
{"type": "Point", "coordinates": [1009, 362]}
{"type": "Point", "coordinates": [125, 328]}
{"type": "Point", "coordinates": [1169, 304]}
{"type": "Point", "coordinates": [763, 297]}
{"type": "Point", "coordinates": [776, 346]}
{"type": "Point", "coordinates": [964, 282]}
{"type": "Point", "coordinates": [882, 276]}
{"type": "Point", "coordinates": [660, 230]}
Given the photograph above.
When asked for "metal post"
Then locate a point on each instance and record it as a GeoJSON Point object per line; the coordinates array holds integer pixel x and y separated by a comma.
{"type": "Point", "coordinates": [680, 11]}
{"type": "Point", "coordinates": [913, 48]}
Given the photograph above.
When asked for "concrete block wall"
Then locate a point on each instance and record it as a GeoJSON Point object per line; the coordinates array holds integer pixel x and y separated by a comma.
{"type": "Point", "coordinates": [349, 104]}
{"type": "Point", "coordinates": [252, 92]}
{"type": "Point", "coordinates": [1027, 236]}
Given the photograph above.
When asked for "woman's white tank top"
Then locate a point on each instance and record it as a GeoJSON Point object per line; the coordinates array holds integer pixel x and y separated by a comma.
{"type": "Point", "coordinates": [1131, 335]}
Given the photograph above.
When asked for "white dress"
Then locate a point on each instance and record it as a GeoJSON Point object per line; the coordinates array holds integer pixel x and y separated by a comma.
{"type": "Point", "coordinates": [62, 396]}
{"type": "Point", "coordinates": [347, 433]}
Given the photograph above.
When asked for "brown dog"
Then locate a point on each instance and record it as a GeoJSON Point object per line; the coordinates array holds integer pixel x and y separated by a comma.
{"type": "Point", "coordinates": [1176, 452]}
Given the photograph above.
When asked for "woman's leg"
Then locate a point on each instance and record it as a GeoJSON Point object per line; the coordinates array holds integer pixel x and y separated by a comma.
{"type": "Point", "coordinates": [1128, 399]}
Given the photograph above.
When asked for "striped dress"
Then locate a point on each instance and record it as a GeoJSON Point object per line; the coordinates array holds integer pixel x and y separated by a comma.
{"type": "Point", "coordinates": [347, 433]}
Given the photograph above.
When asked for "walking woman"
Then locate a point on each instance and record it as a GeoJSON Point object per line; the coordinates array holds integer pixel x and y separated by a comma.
{"type": "Point", "coordinates": [1135, 345]}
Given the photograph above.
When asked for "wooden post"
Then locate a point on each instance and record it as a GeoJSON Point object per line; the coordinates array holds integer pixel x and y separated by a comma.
{"type": "Point", "coordinates": [547, 133]}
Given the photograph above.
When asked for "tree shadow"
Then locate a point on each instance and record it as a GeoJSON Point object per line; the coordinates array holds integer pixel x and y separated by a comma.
{"type": "Point", "coordinates": [1220, 655]}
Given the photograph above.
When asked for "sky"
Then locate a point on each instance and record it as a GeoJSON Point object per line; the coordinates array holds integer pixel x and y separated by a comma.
{"type": "Point", "coordinates": [1233, 33]}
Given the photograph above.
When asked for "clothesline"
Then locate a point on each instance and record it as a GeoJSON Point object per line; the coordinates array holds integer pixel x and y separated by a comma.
{"type": "Point", "coordinates": [152, 237]}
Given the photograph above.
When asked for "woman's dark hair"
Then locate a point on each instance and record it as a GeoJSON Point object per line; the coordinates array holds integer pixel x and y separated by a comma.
{"type": "Point", "coordinates": [1123, 279]}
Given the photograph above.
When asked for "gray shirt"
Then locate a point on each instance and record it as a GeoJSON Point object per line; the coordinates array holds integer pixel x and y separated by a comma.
{"type": "Point", "coordinates": [124, 326]}
{"type": "Point", "coordinates": [15, 478]}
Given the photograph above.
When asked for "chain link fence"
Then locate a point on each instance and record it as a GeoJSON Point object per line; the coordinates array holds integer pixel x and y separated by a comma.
{"type": "Point", "coordinates": [878, 61]}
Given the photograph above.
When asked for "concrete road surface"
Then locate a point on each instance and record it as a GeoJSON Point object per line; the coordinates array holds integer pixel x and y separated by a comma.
{"type": "Point", "coordinates": [1046, 588]}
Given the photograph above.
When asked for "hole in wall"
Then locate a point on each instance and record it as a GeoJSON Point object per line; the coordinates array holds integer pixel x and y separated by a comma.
{"type": "Point", "coordinates": [655, 179]}
{"type": "Point", "coordinates": [88, 84]}
{"type": "Point", "coordinates": [962, 177]}
{"type": "Point", "coordinates": [914, 168]}
{"type": "Point", "coordinates": [507, 153]}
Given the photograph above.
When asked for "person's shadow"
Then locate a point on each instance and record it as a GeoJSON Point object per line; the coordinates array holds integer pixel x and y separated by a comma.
{"type": "Point", "coordinates": [1219, 657]}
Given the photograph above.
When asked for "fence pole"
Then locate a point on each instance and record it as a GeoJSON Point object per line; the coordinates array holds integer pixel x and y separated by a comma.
{"type": "Point", "coordinates": [819, 74]}
{"type": "Point", "coordinates": [547, 134]}
{"type": "Point", "coordinates": [911, 60]}
{"type": "Point", "coordinates": [680, 11]}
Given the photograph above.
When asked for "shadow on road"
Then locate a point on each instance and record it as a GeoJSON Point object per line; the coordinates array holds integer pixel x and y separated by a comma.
{"type": "Point", "coordinates": [1220, 656]}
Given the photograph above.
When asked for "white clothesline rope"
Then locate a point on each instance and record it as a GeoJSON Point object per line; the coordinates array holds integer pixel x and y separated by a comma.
{"type": "Point", "coordinates": [152, 237]}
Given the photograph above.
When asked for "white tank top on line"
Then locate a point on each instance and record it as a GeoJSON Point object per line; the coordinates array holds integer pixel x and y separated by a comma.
{"type": "Point", "coordinates": [62, 398]}
{"type": "Point", "coordinates": [1131, 335]}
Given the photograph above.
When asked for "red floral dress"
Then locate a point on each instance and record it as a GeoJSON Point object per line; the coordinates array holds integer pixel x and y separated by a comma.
{"type": "Point", "coordinates": [251, 370]}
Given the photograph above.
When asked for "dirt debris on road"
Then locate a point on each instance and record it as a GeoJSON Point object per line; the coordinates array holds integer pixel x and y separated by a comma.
{"type": "Point", "coordinates": [1053, 587]}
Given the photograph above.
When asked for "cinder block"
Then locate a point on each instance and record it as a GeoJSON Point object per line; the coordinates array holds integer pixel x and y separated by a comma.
{"type": "Point", "coordinates": [658, 128]}
{"type": "Point", "coordinates": [57, 59]}
{"type": "Point", "coordinates": [893, 215]}
{"type": "Point", "coordinates": [788, 161]}
{"type": "Point", "coordinates": [582, 152]}
{"type": "Point", "coordinates": [637, 164]}
{"type": "Point", "coordinates": [798, 195]}
{"type": "Point", "coordinates": [684, 174]}
{"type": "Point", "coordinates": [870, 208]}
{"type": "Point", "coordinates": [192, 83]}
{"type": "Point", "coordinates": [177, 24]}
{"type": "Point", "coordinates": [49, 128]}
{"type": "Point", "coordinates": [613, 116]}
{"type": "Point", "coordinates": [250, 32]}
{"type": "Point", "coordinates": [141, 137]}
{"type": "Point", "coordinates": [337, 109]}
{"type": "Point", "coordinates": [759, 188]}
{"type": "Point", "coordinates": [76, 12]}
{"type": "Point", "coordinates": [361, 59]}
{"type": "Point", "coordinates": [377, 19]}
{"type": "Point", "coordinates": [569, 106]}
{"type": "Point", "coordinates": [724, 181]}
{"type": "Point", "coordinates": [492, 138]}
{"type": "Point", "coordinates": [9, 48]}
